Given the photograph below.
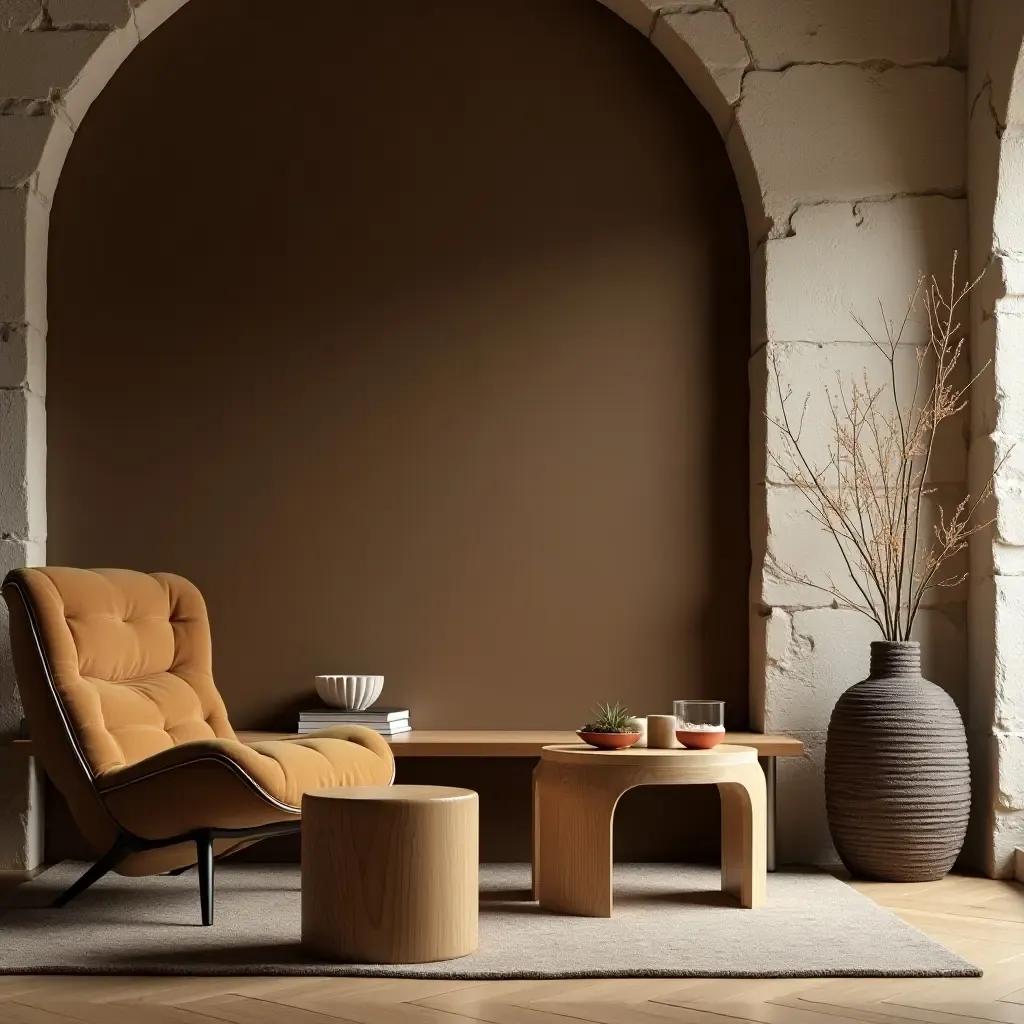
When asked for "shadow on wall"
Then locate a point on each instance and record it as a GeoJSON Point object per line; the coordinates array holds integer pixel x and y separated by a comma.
{"type": "Point", "coordinates": [417, 338]}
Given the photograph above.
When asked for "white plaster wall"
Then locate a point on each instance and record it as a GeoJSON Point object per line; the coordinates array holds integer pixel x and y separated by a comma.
{"type": "Point", "coordinates": [844, 120]}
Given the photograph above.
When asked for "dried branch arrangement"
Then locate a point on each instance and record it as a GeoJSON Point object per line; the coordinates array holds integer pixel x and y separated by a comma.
{"type": "Point", "coordinates": [869, 492]}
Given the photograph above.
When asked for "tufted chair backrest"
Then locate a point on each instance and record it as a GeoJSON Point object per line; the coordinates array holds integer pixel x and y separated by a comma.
{"type": "Point", "coordinates": [129, 663]}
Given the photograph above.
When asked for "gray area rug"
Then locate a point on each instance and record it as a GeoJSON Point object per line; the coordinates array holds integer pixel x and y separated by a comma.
{"type": "Point", "coordinates": [670, 921]}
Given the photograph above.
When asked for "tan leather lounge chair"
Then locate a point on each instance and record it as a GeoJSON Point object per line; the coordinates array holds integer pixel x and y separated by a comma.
{"type": "Point", "coordinates": [115, 673]}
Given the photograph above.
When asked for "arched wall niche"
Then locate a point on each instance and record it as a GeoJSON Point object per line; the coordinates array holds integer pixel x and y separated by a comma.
{"type": "Point", "coordinates": [846, 145]}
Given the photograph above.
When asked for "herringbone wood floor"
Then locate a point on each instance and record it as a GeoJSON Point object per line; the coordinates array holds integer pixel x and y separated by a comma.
{"type": "Point", "coordinates": [981, 919]}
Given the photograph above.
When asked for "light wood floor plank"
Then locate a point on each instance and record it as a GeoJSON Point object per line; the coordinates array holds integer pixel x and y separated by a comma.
{"type": "Point", "coordinates": [21, 1013]}
{"type": "Point", "coordinates": [120, 1013]}
{"type": "Point", "coordinates": [248, 1010]}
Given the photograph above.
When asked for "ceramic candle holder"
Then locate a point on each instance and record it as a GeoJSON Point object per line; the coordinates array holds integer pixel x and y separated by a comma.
{"type": "Point", "coordinates": [661, 732]}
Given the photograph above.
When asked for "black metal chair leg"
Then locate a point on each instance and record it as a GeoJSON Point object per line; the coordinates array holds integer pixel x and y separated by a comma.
{"type": "Point", "coordinates": [106, 863]}
{"type": "Point", "coordinates": [204, 852]}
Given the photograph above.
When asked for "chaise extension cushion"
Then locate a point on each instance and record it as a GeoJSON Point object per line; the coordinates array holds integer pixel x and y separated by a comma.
{"type": "Point", "coordinates": [115, 673]}
{"type": "Point", "coordinates": [234, 785]}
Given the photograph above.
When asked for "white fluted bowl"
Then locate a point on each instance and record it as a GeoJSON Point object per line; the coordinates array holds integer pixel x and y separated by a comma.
{"type": "Point", "coordinates": [356, 693]}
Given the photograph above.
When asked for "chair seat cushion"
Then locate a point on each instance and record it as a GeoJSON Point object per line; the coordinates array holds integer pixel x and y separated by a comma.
{"type": "Point", "coordinates": [226, 784]}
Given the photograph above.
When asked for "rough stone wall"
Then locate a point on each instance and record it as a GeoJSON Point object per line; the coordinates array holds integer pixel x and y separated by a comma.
{"type": "Point", "coordinates": [845, 124]}
{"type": "Point", "coordinates": [844, 120]}
{"type": "Point", "coordinates": [996, 179]}
{"type": "Point", "coordinates": [55, 57]}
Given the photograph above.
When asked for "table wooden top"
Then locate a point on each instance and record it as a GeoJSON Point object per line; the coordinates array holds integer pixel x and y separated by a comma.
{"type": "Point", "coordinates": [394, 794]}
{"type": "Point", "coordinates": [505, 743]}
{"type": "Point", "coordinates": [648, 757]}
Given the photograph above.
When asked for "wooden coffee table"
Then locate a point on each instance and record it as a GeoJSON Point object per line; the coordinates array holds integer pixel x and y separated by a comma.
{"type": "Point", "coordinates": [576, 788]}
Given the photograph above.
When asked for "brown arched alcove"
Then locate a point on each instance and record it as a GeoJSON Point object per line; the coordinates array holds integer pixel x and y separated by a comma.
{"type": "Point", "coordinates": [419, 342]}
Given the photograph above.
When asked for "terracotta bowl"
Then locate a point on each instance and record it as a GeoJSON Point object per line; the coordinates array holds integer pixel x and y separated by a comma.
{"type": "Point", "coordinates": [699, 740]}
{"type": "Point", "coordinates": [609, 740]}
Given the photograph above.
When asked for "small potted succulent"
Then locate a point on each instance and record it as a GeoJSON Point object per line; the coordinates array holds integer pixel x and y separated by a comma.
{"type": "Point", "coordinates": [614, 728]}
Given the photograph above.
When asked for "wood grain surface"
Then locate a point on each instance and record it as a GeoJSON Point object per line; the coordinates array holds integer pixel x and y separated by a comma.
{"type": "Point", "coordinates": [576, 790]}
{"type": "Point", "coordinates": [390, 873]}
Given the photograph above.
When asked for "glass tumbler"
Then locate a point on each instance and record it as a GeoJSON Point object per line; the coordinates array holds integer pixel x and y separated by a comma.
{"type": "Point", "coordinates": [700, 724]}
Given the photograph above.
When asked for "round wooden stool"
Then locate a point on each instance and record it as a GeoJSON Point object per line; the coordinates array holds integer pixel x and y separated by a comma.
{"type": "Point", "coordinates": [390, 874]}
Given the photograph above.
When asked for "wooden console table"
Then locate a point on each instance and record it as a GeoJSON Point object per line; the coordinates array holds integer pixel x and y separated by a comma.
{"type": "Point", "coordinates": [528, 743]}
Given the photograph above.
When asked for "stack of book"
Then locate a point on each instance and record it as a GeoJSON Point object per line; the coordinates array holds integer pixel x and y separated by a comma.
{"type": "Point", "coordinates": [386, 721]}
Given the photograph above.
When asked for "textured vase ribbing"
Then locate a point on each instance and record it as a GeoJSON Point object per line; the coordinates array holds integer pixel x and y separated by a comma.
{"type": "Point", "coordinates": [897, 775]}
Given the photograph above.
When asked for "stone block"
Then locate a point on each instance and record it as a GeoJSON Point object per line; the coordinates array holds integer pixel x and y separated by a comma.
{"type": "Point", "coordinates": [1007, 559]}
{"type": "Point", "coordinates": [107, 58]}
{"type": "Point", "coordinates": [704, 47]}
{"type": "Point", "coordinates": [1008, 216]}
{"type": "Point", "coordinates": [996, 29]}
{"type": "Point", "coordinates": [151, 14]}
{"type": "Point", "coordinates": [1007, 839]}
{"type": "Point", "coordinates": [32, 151]}
{"type": "Point", "coordinates": [992, 286]}
{"type": "Point", "coordinates": [797, 541]}
{"type": "Point", "coordinates": [33, 64]}
{"type": "Point", "coordinates": [843, 259]}
{"type": "Point", "coordinates": [829, 650]}
{"type": "Point", "coordinates": [1008, 653]}
{"type": "Point", "coordinates": [22, 358]}
{"type": "Point", "coordinates": [1009, 770]}
{"type": "Point", "coordinates": [19, 15]}
{"type": "Point", "coordinates": [1001, 288]}
{"type": "Point", "coordinates": [23, 226]}
{"type": "Point", "coordinates": [22, 465]}
{"type": "Point", "coordinates": [15, 552]}
{"type": "Point", "coordinates": [1008, 532]}
{"type": "Point", "coordinates": [21, 811]}
{"type": "Point", "coordinates": [770, 636]}
{"type": "Point", "coordinates": [999, 548]}
{"type": "Point", "coordinates": [1004, 455]}
{"type": "Point", "coordinates": [22, 141]}
{"type": "Point", "coordinates": [788, 32]}
{"type": "Point", "coordinates": [816, 378]}
{"type": "Point", "coordinates": [820, 132]}
{"type": "Point", "coordinates": [90, 14]}
{"type": "Point", "coordinates": [778, 635]}
{"type": "Point", "coordinates": [801, 827]}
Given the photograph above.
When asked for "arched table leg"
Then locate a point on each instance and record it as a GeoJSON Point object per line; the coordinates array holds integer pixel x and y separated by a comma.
{"type": "Point", "coordinates": [576, 789]}
{"type": "Point", "coordinates": [574, 818]}
{"type": "Point", "coordinates": [744, 835]}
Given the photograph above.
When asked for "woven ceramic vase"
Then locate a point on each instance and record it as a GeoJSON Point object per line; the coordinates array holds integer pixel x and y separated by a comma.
{"type": "Point", "coordinates": [897, 776]}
